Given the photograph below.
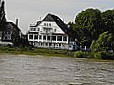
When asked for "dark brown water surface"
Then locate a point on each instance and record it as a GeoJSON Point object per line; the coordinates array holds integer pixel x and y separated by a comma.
{"type": "Point", "coordinates": [39, 70]}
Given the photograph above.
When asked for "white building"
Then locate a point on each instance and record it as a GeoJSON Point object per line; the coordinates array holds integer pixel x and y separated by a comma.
{"type": "Point", "coordinates": [51, 32]}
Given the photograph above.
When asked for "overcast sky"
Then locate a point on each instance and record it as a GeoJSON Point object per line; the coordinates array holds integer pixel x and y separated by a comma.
{"type": "Point", "coordinates": [30, 11]}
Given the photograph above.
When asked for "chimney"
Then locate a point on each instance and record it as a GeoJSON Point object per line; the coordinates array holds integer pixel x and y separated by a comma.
{"type": "Point", "coordinates": [17, 22]}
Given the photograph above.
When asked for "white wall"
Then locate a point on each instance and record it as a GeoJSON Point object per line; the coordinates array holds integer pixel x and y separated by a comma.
{"type": "Point", "coordinates": [43, 25]}
{"type": "Point", "coordinates": [53, 26]}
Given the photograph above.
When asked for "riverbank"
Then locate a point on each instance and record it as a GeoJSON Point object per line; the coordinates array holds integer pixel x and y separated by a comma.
{"type": "Point", "coordinates": [36, 51]}
{"type": "Point", "coordinates": [53, 52]}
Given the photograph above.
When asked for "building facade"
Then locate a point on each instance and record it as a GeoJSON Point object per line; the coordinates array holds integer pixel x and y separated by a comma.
{"type": "Point", "coordinates": [51, 32]}
{"type": "Point", "coordinates": [9, 33]}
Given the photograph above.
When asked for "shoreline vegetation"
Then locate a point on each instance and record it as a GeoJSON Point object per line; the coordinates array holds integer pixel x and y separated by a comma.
{"type": "Point", "coordinates": [55, 52]}
{"type": "Point", "coordinates": [36, 51]}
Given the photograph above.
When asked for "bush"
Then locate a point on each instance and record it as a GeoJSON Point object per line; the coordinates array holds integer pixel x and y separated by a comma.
{"type": "Point", "coordinates": [103, 55]}
{"type": "Point", "coordinates": [106, 55]}
{"type": "Point", "coordinates": [7, 49]}
{"type": "Point", "coordinates": [97, 55]}
{"type": "Point", "coordinates": [80, 54]}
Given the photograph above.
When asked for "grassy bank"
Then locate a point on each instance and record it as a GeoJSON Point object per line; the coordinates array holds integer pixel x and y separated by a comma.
{"type": "Point", "coordinates": [36, 51]}
{"type": "Point", "coordinates": [57, 53]}
{"type": "Point", "coordinates": [94, 55]}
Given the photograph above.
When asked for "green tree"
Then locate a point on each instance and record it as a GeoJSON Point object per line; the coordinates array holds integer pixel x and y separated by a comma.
{"type": "Point", "coordinates": [108, 21]}
{"type": "Point", "coordinates": [16, 38]}
{"type": "Point", "coordinates": [87, 26]}
{"type": "Point", "coordinates": [105, 42]}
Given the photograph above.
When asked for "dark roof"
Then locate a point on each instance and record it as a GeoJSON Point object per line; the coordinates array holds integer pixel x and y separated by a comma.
{"type": "Point", "coordinates": [14, 25]}
{"type": "Point", "coordinates": [59, 22]}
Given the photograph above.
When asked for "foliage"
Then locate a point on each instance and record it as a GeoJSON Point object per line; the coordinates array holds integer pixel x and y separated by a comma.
{"type": "Point", "coordinates": [106, 55]}
{"type": "Point", "coordinates": [36, 51]}
{"type": "Point", "coordinates": [101, 48]}
{"type": "Point", "coordinates": [89, 24]}
{"type": "Point", "coordinates": [103, 55]}
{"type": "Point", "coordinates": [97, 55]}
{"type": "Point", "coordinates": [95, 29]}
{"type": "Point", "coordinates": [80, 54]}
{"type": "Point", "coordinates": [105, 42]}
{"type": "Point", "coordinates": [108, 21]}
{"type": "Point", "coordinates": [15, 38]}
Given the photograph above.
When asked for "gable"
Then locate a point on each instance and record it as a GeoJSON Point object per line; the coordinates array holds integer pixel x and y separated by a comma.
{"type": "Point", "coordinates": [48, 18]}
{"type": "Point", "coordinates": [57, 22]}
{"type": "Point", "coordinates": [50, 25]}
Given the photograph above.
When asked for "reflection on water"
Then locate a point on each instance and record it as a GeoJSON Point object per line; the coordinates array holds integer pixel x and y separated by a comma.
{"type": "Point", "coordinates": [27, 70]}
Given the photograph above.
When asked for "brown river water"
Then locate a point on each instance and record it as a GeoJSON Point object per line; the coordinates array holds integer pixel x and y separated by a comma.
{"type": "Point", "coordinates": [39, 70]}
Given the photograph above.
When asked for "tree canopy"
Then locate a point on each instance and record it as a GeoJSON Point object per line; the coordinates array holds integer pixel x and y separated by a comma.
{"type": "Point", "coordinates": [108, 21]}
{"type": "Point", "coordinates": [89, 24]}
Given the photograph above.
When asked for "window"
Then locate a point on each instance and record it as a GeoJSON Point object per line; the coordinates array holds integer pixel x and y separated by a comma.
{"type": "Point", "coordinates": [40, 37]}
{"type": "Point", "coordinates": [65, 38]}
{"type": "Point", "coordinates": [44, 37]}
{"type": "Point", "coordinates": [46, 44]}
{"type": "Point", "coordinates": [50, 24]}
{"type": "Point", "coordinates": [38, 29]}
{"type": "Point", "coordinates": [5, 38]}
{"type": "Point", "coordinates": [33, 29]}
{"type": "Point", "coordinates": [47, 24]}
{"type": "Point", "coordinates": [44, 24]}
{"type": "Point", "coordinates": [70, 46]}
{"type": "Point", "coordinates": [55, 30]}
{"type": "Point", "coordinates": [50, 44]}
{"type": "Point", "coordinates": [59, 44]}
{"type": "Point", "coordinates": [48, 38]}
{"type": "Point", "coordinates": [30, 36]}
{"type": "Point", "coordinates": [36, 37]}
{"type": "Point", "coordinates": [59, 38]}
{"type": "Point", "coordinates": [41, 44]}
{"type": "Point", "coordinates": [54, 38]}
